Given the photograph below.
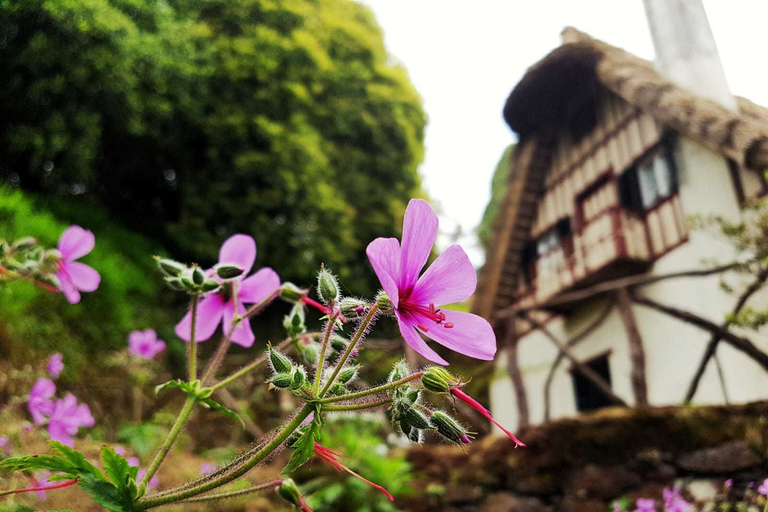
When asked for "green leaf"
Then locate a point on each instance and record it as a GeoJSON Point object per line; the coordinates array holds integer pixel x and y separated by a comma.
{"type": "Point", "coordinates": [116, 467]}
{"type": "Point", "coordinates": [35, 462]}
{"type": "Point", "coordinates": [105, 494]}
{"type": "Point", "coordinates": [209, 402]}
{"type": "Point", "coordinates": [172, 384]}
{"type": "Point", "coordinates": [303, 448]}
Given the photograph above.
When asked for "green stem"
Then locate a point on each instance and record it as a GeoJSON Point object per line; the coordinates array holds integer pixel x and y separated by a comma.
{"type": "Point", "coordinates": [364, 323]}
{"type": "Point", "coordinates": [168, 442]}
{"type": "Point", "coordinates": [240, 492]}
{"type": "Point", "coordinates": [249, 368]}
{"type": "Point", "coordinates": [221, 350]}
{"type": "Point", "coordinates": [326, 339]}
{"type": "Point", "coordinates": [371, 391]}
{"type": "Point", "coordinates": [357, 407]}
{"type": "Point", "coordinates": [190, 490]}
{"type": "Point", "coordinates": [192, 348]}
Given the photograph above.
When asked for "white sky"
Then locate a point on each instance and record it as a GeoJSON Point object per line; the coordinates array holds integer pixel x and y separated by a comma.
{"type": "Point", "coordinates": [464, 57]}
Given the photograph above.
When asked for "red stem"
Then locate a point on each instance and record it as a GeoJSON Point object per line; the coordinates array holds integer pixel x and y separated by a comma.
{"type": "Point", "coordinates": [312, 302]}
{"type": "Point", "coordinates": [461, 395]}
{"type": "Point", "coordinates": [44, 487]}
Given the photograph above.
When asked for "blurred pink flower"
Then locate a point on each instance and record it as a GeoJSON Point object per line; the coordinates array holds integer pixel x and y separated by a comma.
{"type": "Point", "coordinates": [39, 481]}
{"type": "Point", "coordinates": [451, 278]}
{"type": "Point", "coordinates": [145, 344]}
{"type": "Point", "coordinates": [763, 489]}
{"type": "Point", "coordinates": [674, 502]}
{"type": "Point", "coordinates": [219, 306]}
{"type": "Point", "coordinates": [76, 277]}
{"type": "Point", "coordinates": [40, 404]}
{"type": "Point", "coordinates": [153, 482]}
{"type": "Point", "coordinates": [55, 365]}
{"type": "Point", "coordinates": [206, 468]}
{"type": "Point", "coordinates": [5, 445]}
{"type": "Point", "coordinates": [67, 417]}
{"type": "Point", "coordinates": [645, 505]}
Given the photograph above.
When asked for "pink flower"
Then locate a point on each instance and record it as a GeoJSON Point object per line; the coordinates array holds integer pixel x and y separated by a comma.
{"type": "Point", "coordinates": [451, 278]}
{"type": "Point", "coordinates": [461, 395]}
{"type": "Point", "coordinates": [674, 502]}
{"type": "Point", "coordinates": [645, 505]}
{"type": "Point", "coordinates": [331, 457]}
{"type": "Point", "coordinates": [55, 365]}
{"type": "Point", "coordinates": [145, 344]}
{"type": "Point", "coordinates": [76, 277]}
{"type": "Point", "coordinates": [206, 468]}
{"type": "Point", "coordinates": [763, 489]}
{"type": "Point", "coordinates": [67, 417]}
{"type": "Point", "coordinates": [218, 306]}
{"type": "Point", "coordinates": [40, 404]}
{"type": "Point", "coordinates": [132, 461]}
{"type": "Point", "coordinates": [39, 482]}
{"type": "Point", "coordinates": [153, 482]}
{"type": "Point", "coordinates": [5, 445]}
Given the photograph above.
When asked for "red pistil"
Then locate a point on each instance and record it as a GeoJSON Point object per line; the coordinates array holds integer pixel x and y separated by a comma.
{"type": "Point", "coordinates": [43, 487]}
{"type": "Point", "coordinates": [432, 313]}
{"type": "Point", "coordinates": [331, 457]}
{"type": "Point", "coordinates": [461, 395]}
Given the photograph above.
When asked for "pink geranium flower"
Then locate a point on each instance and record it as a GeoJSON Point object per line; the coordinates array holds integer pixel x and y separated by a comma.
{"type": "Point", "coordinates": [67, 417]}
{"type": "Point", "coordinates": [153, 482]}
{"type": "Point", "coordinates": [645, 505]}
{"type": "Point", "coordinates": [145, 344]}
{"type": "Point", "coordinates": [76, 277]}
{"type": "Point", "coordinates": [40, 404]}
{"type": "Point", "coordinates": [763, 489]}
{"type": "Point", "coordinates": [218, 306]}
{"type": "Point", "coordinates": [206, 468]}
{"type": "Point", "coordinates": [55, 365]}
{"type": "Point", "coordinates": [417, 300]}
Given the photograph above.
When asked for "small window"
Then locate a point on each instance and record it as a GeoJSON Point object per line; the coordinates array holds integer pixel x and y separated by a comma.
{"type": "Point", "coordinates": [650, 182]}
{"type": "Point", "coordinates": [548, 242]}
{"type": "Point", "coordinates": [588, 396]}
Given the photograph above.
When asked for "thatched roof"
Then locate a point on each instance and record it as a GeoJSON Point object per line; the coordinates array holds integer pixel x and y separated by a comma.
{"type": "Point", "coordinates": [561, 91]}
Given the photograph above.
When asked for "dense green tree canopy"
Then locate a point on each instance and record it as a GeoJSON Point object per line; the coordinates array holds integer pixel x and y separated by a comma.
{"type": "Point", "coordinates": [196, 119]}
{"type": "Point", "coordinates": [498, 190]}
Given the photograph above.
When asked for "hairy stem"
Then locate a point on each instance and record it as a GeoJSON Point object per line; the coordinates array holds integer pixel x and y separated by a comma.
{"type": "Point", "coordinates": [192, 345]}
{"type": "Point", "coordinates": [329, 328]}
{"type": "Point", "coordinates": [371, 391]}
{"type": "Point", "coordinates": [358, 407]}
{"type": "Point", "coordinates": [239, 492]}
{"type": "Point", "coordinates": [364, 324]}
{"type": "Point", "coordinates": [16, 275]}
{"type": "Point", "coordinates": [249, 368]}
{"type": "Point", "coordinates": [168, 442]}
{"type": "Point", "coordinates": [235, 471]}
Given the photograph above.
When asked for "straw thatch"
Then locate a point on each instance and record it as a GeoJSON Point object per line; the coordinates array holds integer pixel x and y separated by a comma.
{"type": "Point", "coordinates": [561, 91]}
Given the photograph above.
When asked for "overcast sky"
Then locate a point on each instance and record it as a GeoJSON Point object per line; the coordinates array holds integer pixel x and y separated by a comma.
{"type": "Point", "coordinates": [464, 57]}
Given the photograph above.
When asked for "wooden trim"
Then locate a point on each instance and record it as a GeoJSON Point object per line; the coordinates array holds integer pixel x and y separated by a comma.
{"type": "Point", "coordinates": [636, 350]}
{"type": "Point", "coordinates": [735, 173]}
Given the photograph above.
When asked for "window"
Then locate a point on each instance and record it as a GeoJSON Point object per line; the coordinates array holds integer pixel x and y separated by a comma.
{"type": "Point", "coordinates": [553, 238]}
{"type": "Point", "coordinates": [651, 181]}
{"type": "Point", "coordinates": [588, 396]}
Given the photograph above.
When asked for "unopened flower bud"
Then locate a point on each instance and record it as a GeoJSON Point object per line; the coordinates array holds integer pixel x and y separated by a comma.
{"type": "Point", "coordinates": [228, 270]}
{"type": "Point", "coordinates": [290, 492]}
{"type": "Point", "coordinates": [438, 380]}
{"type": "Point", "coordinates": [299, 377]}
{"type": "Point", "coordinates": [415, 419]}
{"type": "Point", "coordinates": [400, 370]}
{"type": "Point", "coordinates": [415, 436]}
{"type": "Point", "coordinates": [281, 381]}
{"type": "Point", "coordinates": [210, 285]}
{"type": "Point", "coordinates": [327, 286]}
{"type": "Point", "coordinates": [294, 321]}
{"type": "Point", "coordinates": [384, 303]}
{"type": "Point", "coordinates": [170, 268]}
{"type": "Point", "coordinates": [292, 293]}
{"type": "Point", "coordinates": [449, 428]}
{"type": "Point", "coordinates": [352, 308]}
{"type": "Point", "coordinates": [25, 243]}
{"type": "Point", "coordinates": [337, 389]}
{"type": "Point", "coordinates": [280, 362]}
{"type": "Point", "coordinates": [198, 276]}
{"type": "Point", "coordinates": [4, 248]}
{"type": "Point", "coordinates": [348, 374]}
{"type": "Point", "coordinates": [175, 283]}
{"type": "Point", "coordinates": [308, 352]}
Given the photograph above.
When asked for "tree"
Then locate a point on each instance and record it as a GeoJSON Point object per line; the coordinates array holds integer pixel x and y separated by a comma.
{"type": "Point", "coordinates": [284, 119]}
{"type": "Point", "coordinates": [498, 191]}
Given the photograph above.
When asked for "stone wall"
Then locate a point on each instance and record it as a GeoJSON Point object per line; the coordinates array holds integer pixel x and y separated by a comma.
{"type": "Point", "coordinates": [583, 464]}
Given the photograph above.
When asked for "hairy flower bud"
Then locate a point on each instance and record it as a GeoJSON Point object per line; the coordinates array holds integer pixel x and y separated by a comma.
{"type": "Point", "coordinates": [415, 419]}
{"type": "Point", "coordinates": [438, 380]}
{"type": "Point", "coordinates": [209, 286]}
{"type": "Point", "coordinates": [337, 389]}
{"type": "Point", "coordinates": [175, 283]}
{"type": "Point", "coordinates": [228, 270]}
{"type": "Point", "coordinates": [198, 276]}
{"type": "Point", "coordinates": [22, 244]}
{"type": "Point", "coordinates": [338, 343]}
{"type": "Point", "coordinates": [290, 492]}
{"type": "Point", "coordinates": [348, 374]}
{"type": "Point", "coordinates": [327, 286]}
{"type": "Point", "coordinates": [280, 362]}
{"type": "Point", "coordinates": [449, 428]}
{"type": "Point", "coordinates": [308, 352]}
{"type": "Point", "coordinates": [281, 381]}
{"type": "Point", "coordinates": [293, 322]}
{"type": "Point", "coordinates": [292, 293]}
{"type": "Point", "coordinates": [353, 308]}
{"type": "Point", "coordinates": [400, 370]}
{"type": "Point", "coordinates": [299, 377]}
{"type": "Point", "coordinates": [169, 267]}
{"type": "Point", "coordinates": [384, 303]}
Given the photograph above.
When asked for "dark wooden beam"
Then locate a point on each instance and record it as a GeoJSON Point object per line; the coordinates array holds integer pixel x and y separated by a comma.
{"type": "Point", "coordinates": [510, 344]}
{"type": "Point", "coordinates": [636, 350]}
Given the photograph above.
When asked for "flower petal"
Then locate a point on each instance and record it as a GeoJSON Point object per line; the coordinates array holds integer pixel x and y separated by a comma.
{"type": "Point", "coordinates": [451, 278]}
{"type": "Point", "coordinates": [470, 335]}
{"type": "Point", "coordinates": [209, 313]}
{"type": "Point", "coordinates": [243, 334]}
{"type": "Point", "coordinates": [419, 233]}
{"type": "Point", "coordinates": [240, 250]}
{"type": "Point", "coordinates": [259, 286]}
{"type": "Point", "coordinates": [75, 243]}
{"type": "Point", "coordinates": [85, 278]}
{"type": "Point", "coordinates": [408, 330]}
{"type": "Point", "coordinates": [384, 255]}
{"type": "Point", "coordinates": [67, 286]}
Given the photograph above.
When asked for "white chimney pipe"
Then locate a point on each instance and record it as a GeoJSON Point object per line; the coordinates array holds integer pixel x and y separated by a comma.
{"type": "Point", "coordinates": [686, 52]}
